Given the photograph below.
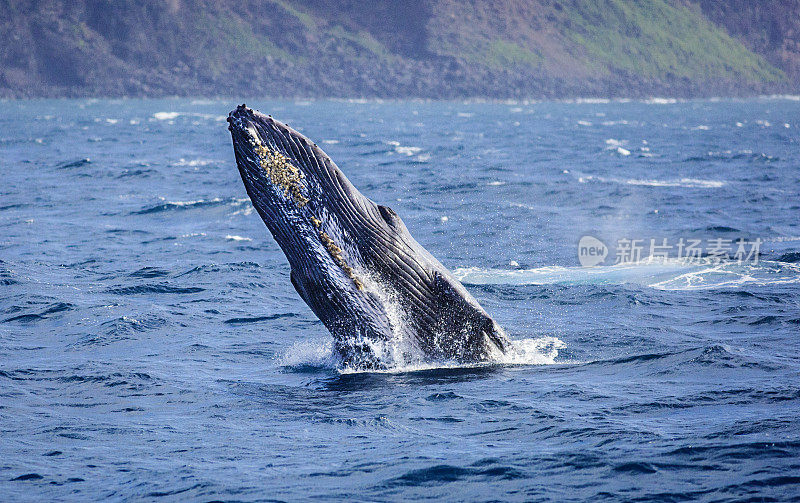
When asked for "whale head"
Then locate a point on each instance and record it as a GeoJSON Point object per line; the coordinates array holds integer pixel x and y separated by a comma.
{"type": "Point", "coordinates": [383, 297]}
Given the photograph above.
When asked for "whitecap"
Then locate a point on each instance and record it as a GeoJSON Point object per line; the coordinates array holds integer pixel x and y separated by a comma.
{"type": "Point", "coordinates": [664, 274]}
{"type": "Point", "coordinates": [590, 101]}
{"type": "Point", "coordinates": [231, 237]}
{"type": "Point", "coordinates": [407, 150]}
{"type": "Point", "coordinates": [164, 116]}
{"type": "Point", "coordinates": [612, 142]}
{"type": "Point", "coordinates": [196, 162]}
{"type": "Point", "coordinates": [660, 101]}
{"type": "Point", "coordinates": [682, 182]}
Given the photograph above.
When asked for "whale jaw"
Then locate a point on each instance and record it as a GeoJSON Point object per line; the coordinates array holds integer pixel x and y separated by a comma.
{"type": "Point", "coordinates": [383, 297]}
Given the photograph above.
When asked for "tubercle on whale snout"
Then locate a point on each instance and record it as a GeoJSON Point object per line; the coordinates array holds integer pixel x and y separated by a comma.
{"type": "Point", "coordinates": [288, 179]}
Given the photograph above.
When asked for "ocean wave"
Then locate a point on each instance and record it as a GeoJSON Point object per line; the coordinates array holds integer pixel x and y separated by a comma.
{"type": "Point", "coordinates": [733, 155]}
{"type": "Point", "coordinates": [257, 319]}
{"type": "Point", "coordinates": [670, 274]}
{"type": "Point", "coordinates": [47, 312]}
{"type": "Point", "coordinates": [682, 182]}
{"type": "Point", "coordinates": [126, 325]}
{"type": "Point", "coordinates": [187, 205]}
{"type": "Point", "coordinates": [164, 116]}
{"type": "Point", "coordinates": [168, 116]}
{"type": "Point", "coordinates": [444, 474]}
{"type": "Point", "coordinates": [149, 272]}
{"type": "Point", "coordinates": [74, 164]}
{"type": "Point", "coordinates": [197, 162]}
{"type": "Point", "coordinates": [153, 288]}
{"type": "Point", "coordinates": [660, 101]}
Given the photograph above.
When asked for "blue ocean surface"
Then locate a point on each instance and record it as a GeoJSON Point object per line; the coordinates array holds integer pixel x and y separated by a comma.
{"type": "Point", "coordinates": [153, 348]}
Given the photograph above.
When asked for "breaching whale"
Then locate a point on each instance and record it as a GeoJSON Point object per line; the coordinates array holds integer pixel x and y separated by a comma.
{"type": "Point", "coordinates": [383, 297]}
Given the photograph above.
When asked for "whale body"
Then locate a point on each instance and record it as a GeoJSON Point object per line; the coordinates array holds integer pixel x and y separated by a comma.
{"type": "Point", "coordinates": [385, 299]}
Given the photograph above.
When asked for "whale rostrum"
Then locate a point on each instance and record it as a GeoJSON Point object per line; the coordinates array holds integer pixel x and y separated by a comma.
{"type": "Point", "coordinates": [383, 297]}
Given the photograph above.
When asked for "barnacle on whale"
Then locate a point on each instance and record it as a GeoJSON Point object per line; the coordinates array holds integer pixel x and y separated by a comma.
{"type": "Point", "coordinates": [336, 253]}
{"type": "Point", "coordinates": [281, 172]}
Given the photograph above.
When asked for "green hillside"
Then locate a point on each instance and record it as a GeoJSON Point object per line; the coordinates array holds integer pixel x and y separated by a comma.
{"type": "Point", "coordinates": [429, 48]}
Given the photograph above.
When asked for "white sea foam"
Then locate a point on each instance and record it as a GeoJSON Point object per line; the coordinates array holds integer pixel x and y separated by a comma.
{"type": "Point", "coordinates": [533, 351]}
{"type": "Point", "coordinates": [401, 356]}
{"type": "Point", "coordinates": [407, 150]}
{"type": "Point", "coordinates": [168, 116]}
{"type": "Point", "coordinates": [682, 182]}
{"type": "Point", "coordinates": [192, 202]}
{"type": "Point", "coordinates": [231, 237]}
{"type": "Point", "coordinates": [196, 162]}
{"type": "Point", "coordinates": [670, 274]}
{"type": "Point", "coordinates": [790, 97]}
{"type": "Point", "coordinates": [528, 351]}
{"type": "Point", "coordinates": [165, 116]}
{"type": "Point", "coordinates": [311, 353]}
{"type": "Point", "coordinates": [660, 101]}
{"type": "Point", "coordinates": [591, 101]}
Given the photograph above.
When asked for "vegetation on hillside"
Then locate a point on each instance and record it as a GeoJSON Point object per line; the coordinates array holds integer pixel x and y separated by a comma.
{"type": "Point", "coordinates": [426, 48]}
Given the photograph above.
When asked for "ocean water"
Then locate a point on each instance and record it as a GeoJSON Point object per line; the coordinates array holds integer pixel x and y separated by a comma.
{"type": "Point", "coordinates": [153, 348]}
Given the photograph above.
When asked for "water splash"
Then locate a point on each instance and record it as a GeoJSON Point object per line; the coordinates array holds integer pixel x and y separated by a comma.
{"type": "Point", "coordinates": [320, 354]}
{"type": "Point", "coordinates": [313, 353]}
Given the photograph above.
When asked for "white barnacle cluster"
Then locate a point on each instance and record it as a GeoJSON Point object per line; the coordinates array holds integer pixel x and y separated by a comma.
{"type": "Point", "coordinates": [336, 253]}
{"type": "Point", "coordinates": [283, 173]}
{"type": "Point", "coordinates": [280, 171]}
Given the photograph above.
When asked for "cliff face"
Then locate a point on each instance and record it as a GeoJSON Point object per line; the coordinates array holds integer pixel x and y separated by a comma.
{"type": "Point", "coordinates": [770, 28]}
{"type": "Point", "coordinates": [400, 48]}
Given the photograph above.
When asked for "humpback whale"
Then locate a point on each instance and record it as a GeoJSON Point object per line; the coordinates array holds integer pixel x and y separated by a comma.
{"type": "Point", "coordinates": [385, 299]}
